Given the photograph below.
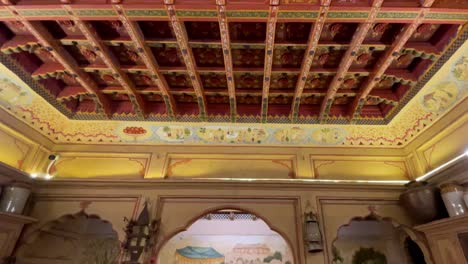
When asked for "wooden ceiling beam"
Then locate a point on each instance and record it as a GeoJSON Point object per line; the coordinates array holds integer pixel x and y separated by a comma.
{"type": "Point", "coordinates": [386, 59]}
{"type": "Point", "coordinates": [348, 59]}
{"type": "Point", "coordinates": [309, 53]}
{"type": "Point", "coordinates": [187, 53]}
{"type": "Point", "coordinates": [269, 48]}
{"type": "Point", "coordinates": [148, 58]}
{"type": "Point", "coordinates": [109, 59]}
{"type": "Point", "coordinates": [68, 62]}
{"type": "Point", "coordinates": [226, 43]}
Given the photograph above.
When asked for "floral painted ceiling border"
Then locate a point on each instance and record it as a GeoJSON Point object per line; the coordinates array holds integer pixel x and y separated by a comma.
{"type": "Point", "coordinates": [447, 88]}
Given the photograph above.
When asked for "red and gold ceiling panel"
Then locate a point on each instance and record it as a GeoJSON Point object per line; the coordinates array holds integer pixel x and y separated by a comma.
{"type": "Point", "coordinates": [174, 59]}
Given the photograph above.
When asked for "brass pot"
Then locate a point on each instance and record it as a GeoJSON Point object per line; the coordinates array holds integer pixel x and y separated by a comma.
{"type": "Point", "coordinates": [422, 202]}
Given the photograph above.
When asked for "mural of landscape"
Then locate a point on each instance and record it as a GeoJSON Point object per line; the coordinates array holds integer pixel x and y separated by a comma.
{"type": "Point", "coordinates": [221, 239]}
{"type": "Point", "coordinates": [229, 249]}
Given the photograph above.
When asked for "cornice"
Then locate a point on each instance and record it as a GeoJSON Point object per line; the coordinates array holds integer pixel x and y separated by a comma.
{"type": "Point", "coordinates": [162, 184]}
{"type": "Point", "coordinates": [456, 172]}
{"type": "Point", "coordinates": [444, 225]}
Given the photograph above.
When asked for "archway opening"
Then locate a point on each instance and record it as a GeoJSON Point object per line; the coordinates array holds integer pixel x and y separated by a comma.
{"type": "Point", "coordinates": [414, 252]}
{"type": "Point", "coordinates": [71, 239]}
{"type": "Point", "coordinates": [227, 237]}
{"type": "Point", "coordinates": [373, 239]}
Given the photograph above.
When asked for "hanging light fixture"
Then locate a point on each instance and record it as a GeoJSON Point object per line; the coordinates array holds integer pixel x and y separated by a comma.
{"type": "Point", "coordinates": [313, 237]}
{"type": "Point", "coordinates": [139, 235]}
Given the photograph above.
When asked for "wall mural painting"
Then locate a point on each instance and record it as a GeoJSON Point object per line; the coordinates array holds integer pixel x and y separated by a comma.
{"type": "Point", "coordinates": [173, 133]}
{"type": "Point", "coordinates": [246, 135]}
{"type": "Point", "coordinates": [227, 237]}
{"type": "Point", "coordinates": [328, 136]}
{"type": "Point", "coordinates": [13, 95]}
{"type": "Point", "coordinates": [441, 97]}
{"type": "Point", "coordinates": [460, 69]}
{"type": "Point", "coordinates": [444, 94]}
{"type": "Point", "coordinates": [232, 135]}
{"type": "Point", "coordinates": [228, 249]}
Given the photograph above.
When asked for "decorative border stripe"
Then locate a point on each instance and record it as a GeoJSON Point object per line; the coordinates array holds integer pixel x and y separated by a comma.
{"type": "Point", "coordinates": [450, 16]}
{"type": "Point", "coordinates": [397, 15]}
{"type": "Point", "coordinates": [95, 12]}
{"type": "Point", "coordinates": [146, 12]}
{"type": "Point", "coordinates": [5, 13]}
{"type": "Point", "coordinates": [41, 12]}
{"type": "Point", "coordinates": [332, 14]}
{"type": "Point", "coordinates": [196, 13]}
{"type": "Point", "coordinates": [299, 14]}
{"type": "Point", "coordinates": [251, 14]}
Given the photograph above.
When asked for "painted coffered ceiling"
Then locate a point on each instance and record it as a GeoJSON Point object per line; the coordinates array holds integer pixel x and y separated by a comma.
{"type": "Point", "coordinates": [340, 72]}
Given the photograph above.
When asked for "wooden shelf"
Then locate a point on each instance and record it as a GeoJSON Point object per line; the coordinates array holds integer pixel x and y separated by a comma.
{"type": "Point", "coordinates": [444, 240]}
{"type": "Point", "coordinates": [443, 223]}
{"type": "Point", "coordinates": [10, 174]}
{"type": "Point", "coordinates": [9, 217]}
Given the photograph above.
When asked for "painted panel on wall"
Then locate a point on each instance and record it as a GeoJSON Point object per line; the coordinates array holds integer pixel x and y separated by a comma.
{"type": "Point", "coordinates": [359, 168]}
{"type": "Point", "coordinates": [227, 238]}
{"type": "Point", "coordinates": [231, 166]}
{"type": "Point", "coordinates": [446, 148]}
{"type": "Point", "coordinates": [101, 165]}
{"type": "Point", "coordinates": [227, 249]}
{"type": "Point", "coordinates": [283, 214]}
{"type": "Point", "coordinates": [13, 151]}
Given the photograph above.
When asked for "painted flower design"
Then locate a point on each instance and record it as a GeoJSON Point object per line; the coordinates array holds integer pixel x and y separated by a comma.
{"type": "Point", "coordinates": [135, 132]}
{"type": "Point", "coordinates": [380, 28]}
